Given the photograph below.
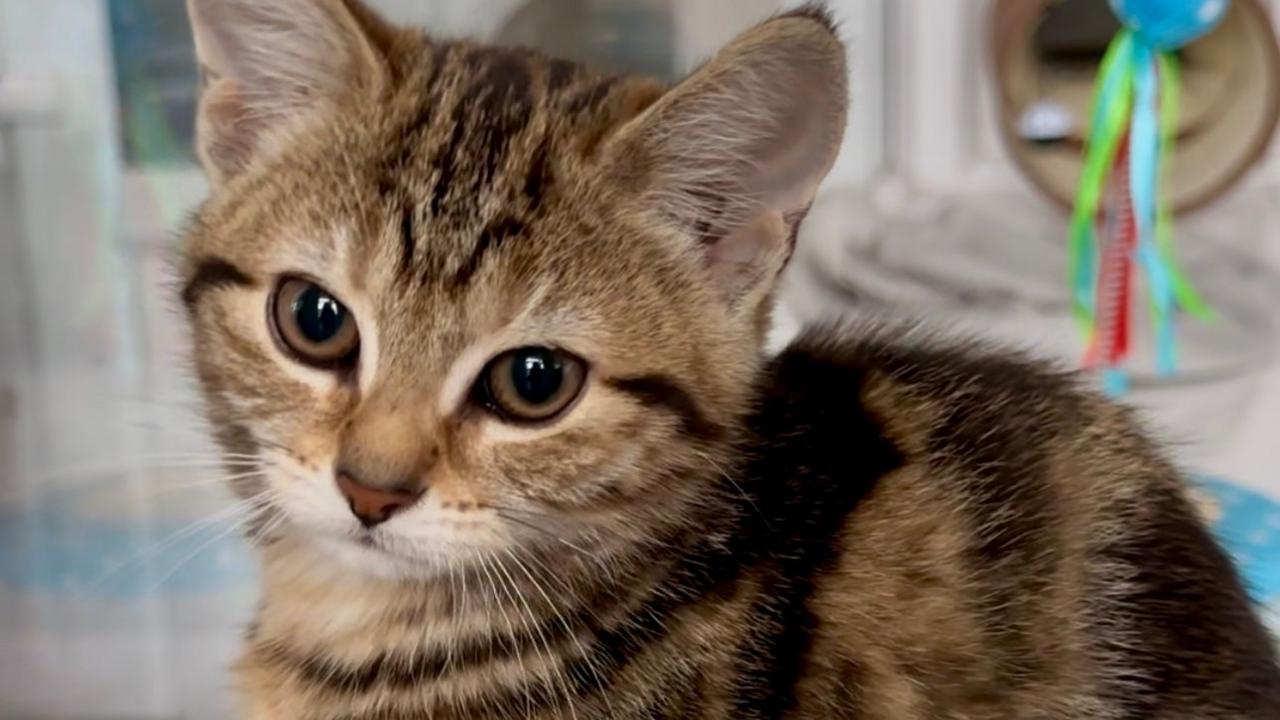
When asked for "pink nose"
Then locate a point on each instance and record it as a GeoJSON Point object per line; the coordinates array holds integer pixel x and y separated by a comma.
{"type": "Point", "coordinates": [372, 506]}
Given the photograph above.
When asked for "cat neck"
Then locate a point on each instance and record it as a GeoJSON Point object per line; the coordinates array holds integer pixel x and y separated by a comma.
{"type": "Point", "coordinates": [315, 604]}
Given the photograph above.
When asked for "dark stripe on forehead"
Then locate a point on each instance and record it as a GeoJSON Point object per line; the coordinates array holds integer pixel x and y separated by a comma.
{"type": "Point", "coordinates": [509, 103]}
{"type": "Point", "coordinates": [589, 99]}
{"type": "Point", "coordinates": [539, 177]}
{"type": "Point", "coordinates": [506, 79]}
{"type": "Point", "coordinates": [495, 107]}
{"type": "Point", "coordinates": [492, 237]}
{"type": "Point", "coordinates": [213, 273]}
{"type": "Point", "coordinates": [446, 162]}
{"type": "Point", "coordinates": [665, 392]}
{"type": "Point", "coordinates": [408, 243]}
{"type": "Point", "coordinates": [559, 73]}
{"type": "Point", "coordinates": [409, 136]}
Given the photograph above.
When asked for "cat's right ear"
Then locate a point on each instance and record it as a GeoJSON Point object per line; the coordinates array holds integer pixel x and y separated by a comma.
{"type": "Point", "coordinates": [269, 65]}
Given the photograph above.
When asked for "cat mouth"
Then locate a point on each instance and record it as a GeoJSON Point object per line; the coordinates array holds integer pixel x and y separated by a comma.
{"type": "Point", "coordinates": [369, 540]}
{"type": "Point", "coordinates": [367, 550]}
{"type": "Point", "coordinates": [378, 543]}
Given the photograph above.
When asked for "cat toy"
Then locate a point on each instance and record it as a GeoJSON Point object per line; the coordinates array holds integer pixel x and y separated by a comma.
{"type": "Point", "coordinates": [1131, 137]}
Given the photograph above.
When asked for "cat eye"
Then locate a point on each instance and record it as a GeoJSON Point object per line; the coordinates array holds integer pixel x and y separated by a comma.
{"type": "Point", "coordinates": [312, 325]}
{"type": "Point", "coordinates": [530, 384]}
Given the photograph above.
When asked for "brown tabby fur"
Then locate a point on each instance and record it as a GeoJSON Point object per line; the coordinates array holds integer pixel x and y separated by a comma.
{"type": "Point", "coordinates": [869, 525]}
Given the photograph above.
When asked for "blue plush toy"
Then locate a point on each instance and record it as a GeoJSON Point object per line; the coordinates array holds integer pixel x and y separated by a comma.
{"type": "Point", "coordinates": [1170, 24]}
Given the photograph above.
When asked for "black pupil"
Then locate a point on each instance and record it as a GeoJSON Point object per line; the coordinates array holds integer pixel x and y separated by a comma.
{"type": "Point", "coordinates": [536, 375]}
{"type": "Point", "coordinates": [319, 316]}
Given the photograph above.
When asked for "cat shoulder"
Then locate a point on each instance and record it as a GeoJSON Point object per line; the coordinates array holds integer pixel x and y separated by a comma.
{"type": "Point", "coordinates": [943, 400]}
{"type": "Point", "coordinates": [900, 369]}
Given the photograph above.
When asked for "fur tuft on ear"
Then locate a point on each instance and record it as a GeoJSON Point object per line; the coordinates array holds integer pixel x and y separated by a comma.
{"type": "Point", "coordinates": [268, 64]}
{"type": "Point", "coordinates": [733, 155]}
{"type": "Point", "coordinates": [817, 12]}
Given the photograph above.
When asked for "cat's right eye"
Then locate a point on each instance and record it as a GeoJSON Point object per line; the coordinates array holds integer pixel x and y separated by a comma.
{"type": "Point", "coordinates": [312, 325]}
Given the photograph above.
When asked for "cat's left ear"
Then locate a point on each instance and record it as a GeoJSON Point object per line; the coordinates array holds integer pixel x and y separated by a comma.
{"type": "Point", "coordinates": [269, 65]}
{"type": "Point", "coordinates": [731, 157]}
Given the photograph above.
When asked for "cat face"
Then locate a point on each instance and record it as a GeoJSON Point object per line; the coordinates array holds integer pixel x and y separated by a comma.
{"type": "Point", "coordinates": [461, 301]}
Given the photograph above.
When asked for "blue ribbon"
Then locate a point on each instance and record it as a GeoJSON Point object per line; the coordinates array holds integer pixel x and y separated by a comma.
{"type": "Point", "coordinates": [1144, 171]}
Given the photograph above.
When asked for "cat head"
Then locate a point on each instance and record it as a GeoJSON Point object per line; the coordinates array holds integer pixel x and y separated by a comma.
{"type": "Point", "coordinates": [451, 300]}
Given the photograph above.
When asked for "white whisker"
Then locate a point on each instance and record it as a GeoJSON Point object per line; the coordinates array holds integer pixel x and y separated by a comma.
{"type": "Point", "coordinates": [511, 631]}
{"type": "Point", "coordinates": [530, 626]}
{"type": "Point", "coordinates": [573, 636]}
{"type": "Point", "coordinates": [151, 551]}
{"type": "Point", "coordinates": [233, 527]}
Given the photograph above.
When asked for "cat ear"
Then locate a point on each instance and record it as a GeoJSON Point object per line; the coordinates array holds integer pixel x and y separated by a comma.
{"type": "Point", "coordinates": [733, 155]}
{"type": "Point", "coordinates": [268, 64]}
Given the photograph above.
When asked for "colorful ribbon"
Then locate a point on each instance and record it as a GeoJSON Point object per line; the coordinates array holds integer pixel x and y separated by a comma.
{"type": "Point", "coordinates": [1135, 108]}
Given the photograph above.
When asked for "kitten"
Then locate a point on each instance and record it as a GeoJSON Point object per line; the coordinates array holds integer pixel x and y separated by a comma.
{"type": "Point", "coordinates": [490, 326]}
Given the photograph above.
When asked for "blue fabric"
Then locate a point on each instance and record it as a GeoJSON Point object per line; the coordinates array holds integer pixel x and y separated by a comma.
{"type": "Point", "coordinates": [52, 546]}
{"type": "Point", "coordinates": [1248, 525]}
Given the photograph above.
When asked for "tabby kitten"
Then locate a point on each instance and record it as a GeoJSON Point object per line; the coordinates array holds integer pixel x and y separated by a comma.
{"type": "Point", "coordinates": [491, 325]}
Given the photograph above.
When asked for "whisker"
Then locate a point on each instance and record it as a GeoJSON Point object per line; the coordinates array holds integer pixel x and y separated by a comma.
{"type": "Point", "coordinates": [511, 630]}
{"type": "Point", "coordinates": [725, 475]}
{"type": "Point", "coordinates": [194, 528]}
{"type": "Point", "coordinates": [545, 652]}
{"type": "Point", "coordinates": [237, 525]}
{"type": "Point", "coordinates": [126, 465]}
{"type": "Point", "coordinates": [505, 514]}
{"type": "Point", "coordinates": [573, 636]}
{"type": "Point", "coordinates": [203, 482]}
{"type": "Point", "coordinates": [275, 523]}
{"type": "Point", "coordinates": [453, 610]}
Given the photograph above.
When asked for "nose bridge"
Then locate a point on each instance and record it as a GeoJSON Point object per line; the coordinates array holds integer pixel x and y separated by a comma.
{"type": "Point", "coordinates": [389, 442]}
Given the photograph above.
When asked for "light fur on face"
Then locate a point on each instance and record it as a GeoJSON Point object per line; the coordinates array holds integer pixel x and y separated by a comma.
{"type": "Point", "coordinates": [463, 201]}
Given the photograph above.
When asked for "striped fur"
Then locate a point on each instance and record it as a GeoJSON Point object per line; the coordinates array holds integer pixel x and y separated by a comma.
{"type": "Point", "coordinates": [869, 525]}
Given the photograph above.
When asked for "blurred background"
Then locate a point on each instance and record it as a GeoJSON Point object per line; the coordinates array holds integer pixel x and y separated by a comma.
{"type": "Point", "coordinates": [123, 583]}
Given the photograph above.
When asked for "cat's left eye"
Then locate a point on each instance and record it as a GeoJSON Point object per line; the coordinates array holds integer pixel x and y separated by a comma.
{"type": "Point", "coordinates": [530, 384]}
{"type": "Point", "coordinates": [312, 325]}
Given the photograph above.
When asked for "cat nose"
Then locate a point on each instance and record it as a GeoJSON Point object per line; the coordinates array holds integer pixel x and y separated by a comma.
{"type": "Point", "coordinates": [371, 505]}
